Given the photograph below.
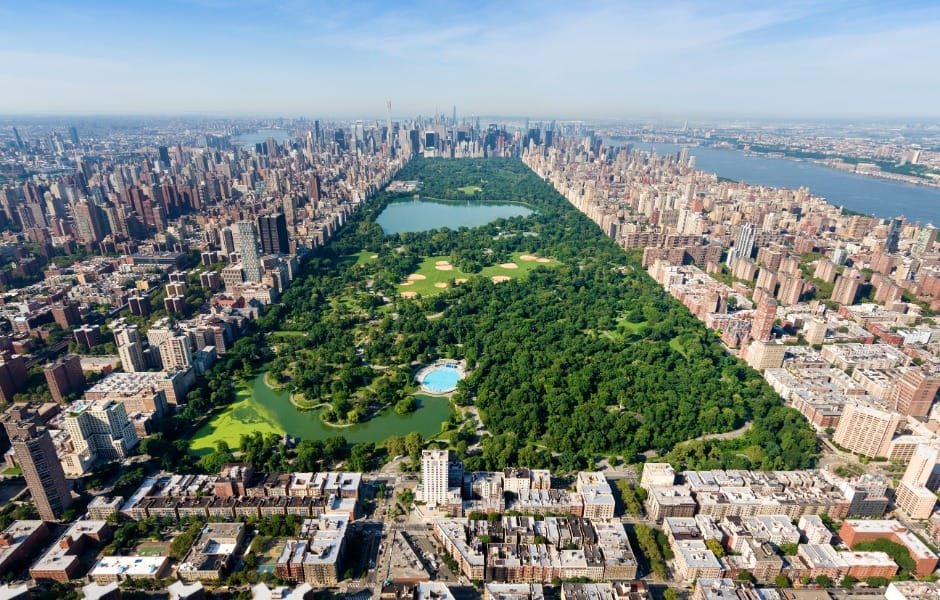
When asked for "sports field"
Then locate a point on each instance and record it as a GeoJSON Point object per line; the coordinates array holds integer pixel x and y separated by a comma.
{"type": "Point", "coordinates": [150, 550]}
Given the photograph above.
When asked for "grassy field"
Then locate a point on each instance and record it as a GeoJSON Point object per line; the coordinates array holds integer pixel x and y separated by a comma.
{"type": "Point", "coordinates": [436, 280]}
{"type": "Point", "coordinates": [229, 425]}
{"type": "Point", "coordinates": [470, 189]}
{"type": "Point", "coordinates": [288, 333]}
{"type": "Point", "coordinates": [150, 550]}
{"type": "Point", "coordinates": [364, 257]}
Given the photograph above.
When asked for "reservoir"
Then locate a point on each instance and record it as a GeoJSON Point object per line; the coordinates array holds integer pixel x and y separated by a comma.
{"type": "Point", "coordinates": [428, 215]}
{"type": "Point", "coordinates": [260, 408]}
{"type": "Point", "coordinates": [859, 193]}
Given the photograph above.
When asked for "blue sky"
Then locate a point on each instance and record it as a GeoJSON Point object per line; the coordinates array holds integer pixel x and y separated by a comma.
{"type": "Point", "coordinates": [538, 58]}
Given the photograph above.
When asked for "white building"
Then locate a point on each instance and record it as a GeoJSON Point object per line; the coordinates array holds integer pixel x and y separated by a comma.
{"type": "Point", "coordinates": [101, 427]}
{"type": "Point", "coordinates": [434, 475]}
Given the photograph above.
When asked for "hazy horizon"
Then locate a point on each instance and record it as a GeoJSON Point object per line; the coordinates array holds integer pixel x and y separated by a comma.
{"type": "Point", "coordinates": [603, 60]}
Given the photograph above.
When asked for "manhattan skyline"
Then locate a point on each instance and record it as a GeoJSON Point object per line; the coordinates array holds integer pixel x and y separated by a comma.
{"type": "Point", "coordinates": [602, 60]}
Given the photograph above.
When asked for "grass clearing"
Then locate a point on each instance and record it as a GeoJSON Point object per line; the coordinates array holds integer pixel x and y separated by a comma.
{"type": "Point", "coordinates": [364, 257]}
{"type": "Point", "coordinates": [470, 189]}
{"type": "Point", "coordinates": [287, 333]}
{"type": "Point", "coordinates": [676, 345]}
{"type": "Point", "coordinates": [437, 280]}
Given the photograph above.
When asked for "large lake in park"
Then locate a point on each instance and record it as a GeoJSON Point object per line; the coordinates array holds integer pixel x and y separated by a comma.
{"type": "Point", "coordinates": [428, 215]}
{"type": "Point", "coordinates": [260, 408]}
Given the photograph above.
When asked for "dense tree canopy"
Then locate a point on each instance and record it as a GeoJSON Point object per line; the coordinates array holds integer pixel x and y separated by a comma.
{"type": "Point", "coordinates": [590, 357]}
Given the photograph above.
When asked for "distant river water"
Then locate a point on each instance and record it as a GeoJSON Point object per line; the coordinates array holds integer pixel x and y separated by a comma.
{"type": "Point", "coordinates": [859, 193]}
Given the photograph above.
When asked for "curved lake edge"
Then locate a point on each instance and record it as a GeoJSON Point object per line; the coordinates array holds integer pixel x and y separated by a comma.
{"type": "Point", "coordinates": [260, 407]}
{"type": "Point", "coordinates": [407, 215]}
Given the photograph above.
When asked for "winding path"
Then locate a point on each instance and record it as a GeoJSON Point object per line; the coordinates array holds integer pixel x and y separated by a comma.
{"type": "Point", "coordinates": [728, 435]}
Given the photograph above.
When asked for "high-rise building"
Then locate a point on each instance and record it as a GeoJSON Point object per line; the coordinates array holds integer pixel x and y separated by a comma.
{"type": "Point", "coordinates": [914, 494]}
{"type": "Point", "coordinates": [846, 289]}
{"type": "Point", "coordinates": [273, 230]}
{"type": "Point", "coordinates": [764, 317]}
{"type": "Point", "coordinates": [132, 357]}
{"type": "Point", "coordinates": [227, 242]}
{"type": "Point", "coordinates": [894, 235]}
{"type": "Point", "coordinates": [139, 305]}
{"type": "Point", "coordinates": [247, 245]}
{"type": "Point", "coordinates": [88, 222]}
{"type": "Point", "coordinates": [922, 468]}
{"type": "Point", "coordinates": [176, 353]}
{"type": "Point", "coordinates": [914, 393]}
{"type": "Point", "coordinates": [743, 244]}
{"type": "Point", "coordinates": [66, 314]}
{"type": "Point", "coordinates": [87, 335]}
{"type": "Point", "coordinates": [13, 377]}
{"type": "Point", "coordinates": [866, 430]}
{"type": "Point", "coordinates": [65, 376]}
{"type": "Point", "coordinates": [434, 473]}
{"type": "Point", "coordinates": [815, 331]}
{"type": "Point", "coordinates": [765, 355]}
{"type": "Point", "coordinates": [102, 427]}
{"type": "Point", "coordinates": [35, 454]}
{"type": "Point", "coordinates": [924, 240]}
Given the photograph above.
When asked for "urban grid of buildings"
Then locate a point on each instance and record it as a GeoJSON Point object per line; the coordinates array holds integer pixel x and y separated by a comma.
{"type": "Point", "coordinates": [831, 307]}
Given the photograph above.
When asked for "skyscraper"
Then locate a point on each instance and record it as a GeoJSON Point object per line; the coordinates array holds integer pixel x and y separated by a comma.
{"type": "Point", "coordinates": [764, 317]}
{"type": "Point", "coordinates": [894, 235]}
{"type": "Point", "coordinates": [434, 471]}
{"type": "Point", "coordinates": [743, 244]}
{"type": "Point", "coordinates": [36, 456]}
{"type": "Point", "coordinates": [273, 230]}
{"type": "Point", "coordinates": [88, 221]}
{"type": "Point", "coordinates": [247, 245]}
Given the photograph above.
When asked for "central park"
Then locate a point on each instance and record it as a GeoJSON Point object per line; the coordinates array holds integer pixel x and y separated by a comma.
{"type": "Point", "coordinates": [568, 351]}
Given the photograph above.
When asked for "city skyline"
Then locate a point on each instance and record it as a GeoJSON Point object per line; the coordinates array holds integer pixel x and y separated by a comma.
{"type": "Point", "coordinates": [604, 60]}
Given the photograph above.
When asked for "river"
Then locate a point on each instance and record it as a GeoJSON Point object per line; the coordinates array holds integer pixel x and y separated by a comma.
{"type": "Point", "coordinates": [859, 193]}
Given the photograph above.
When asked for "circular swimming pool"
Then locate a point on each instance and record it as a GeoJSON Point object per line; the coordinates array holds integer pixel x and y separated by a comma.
{"type": "Point", "coordinates": [441, 379]}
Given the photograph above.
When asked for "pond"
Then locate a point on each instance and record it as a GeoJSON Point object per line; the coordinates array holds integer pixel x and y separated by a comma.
{"type": "Point", "coordinates": [427, 215]}
{"type": "Point", "coordinates": [260, 408]}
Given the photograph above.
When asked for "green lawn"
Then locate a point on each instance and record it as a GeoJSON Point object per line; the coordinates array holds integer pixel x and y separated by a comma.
{"type": "Point", "coordinates": [11, 471]}
{"type": "Point", "coordinates": [240, 417]}
{"type": "Point", "coordinates": [365, 257]}
{"type": "Point", "coordinates": [150, 550]}
{"type": "Point", "coordinates": [433, 275]}
{"type": "Point", "coordinates": [676, 345]}
{"type": "Point", "coordinates": [470, 189]}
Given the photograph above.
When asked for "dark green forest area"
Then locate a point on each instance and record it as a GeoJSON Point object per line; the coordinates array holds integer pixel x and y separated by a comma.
{"type": "Point", "coordinates": [589, 358]}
